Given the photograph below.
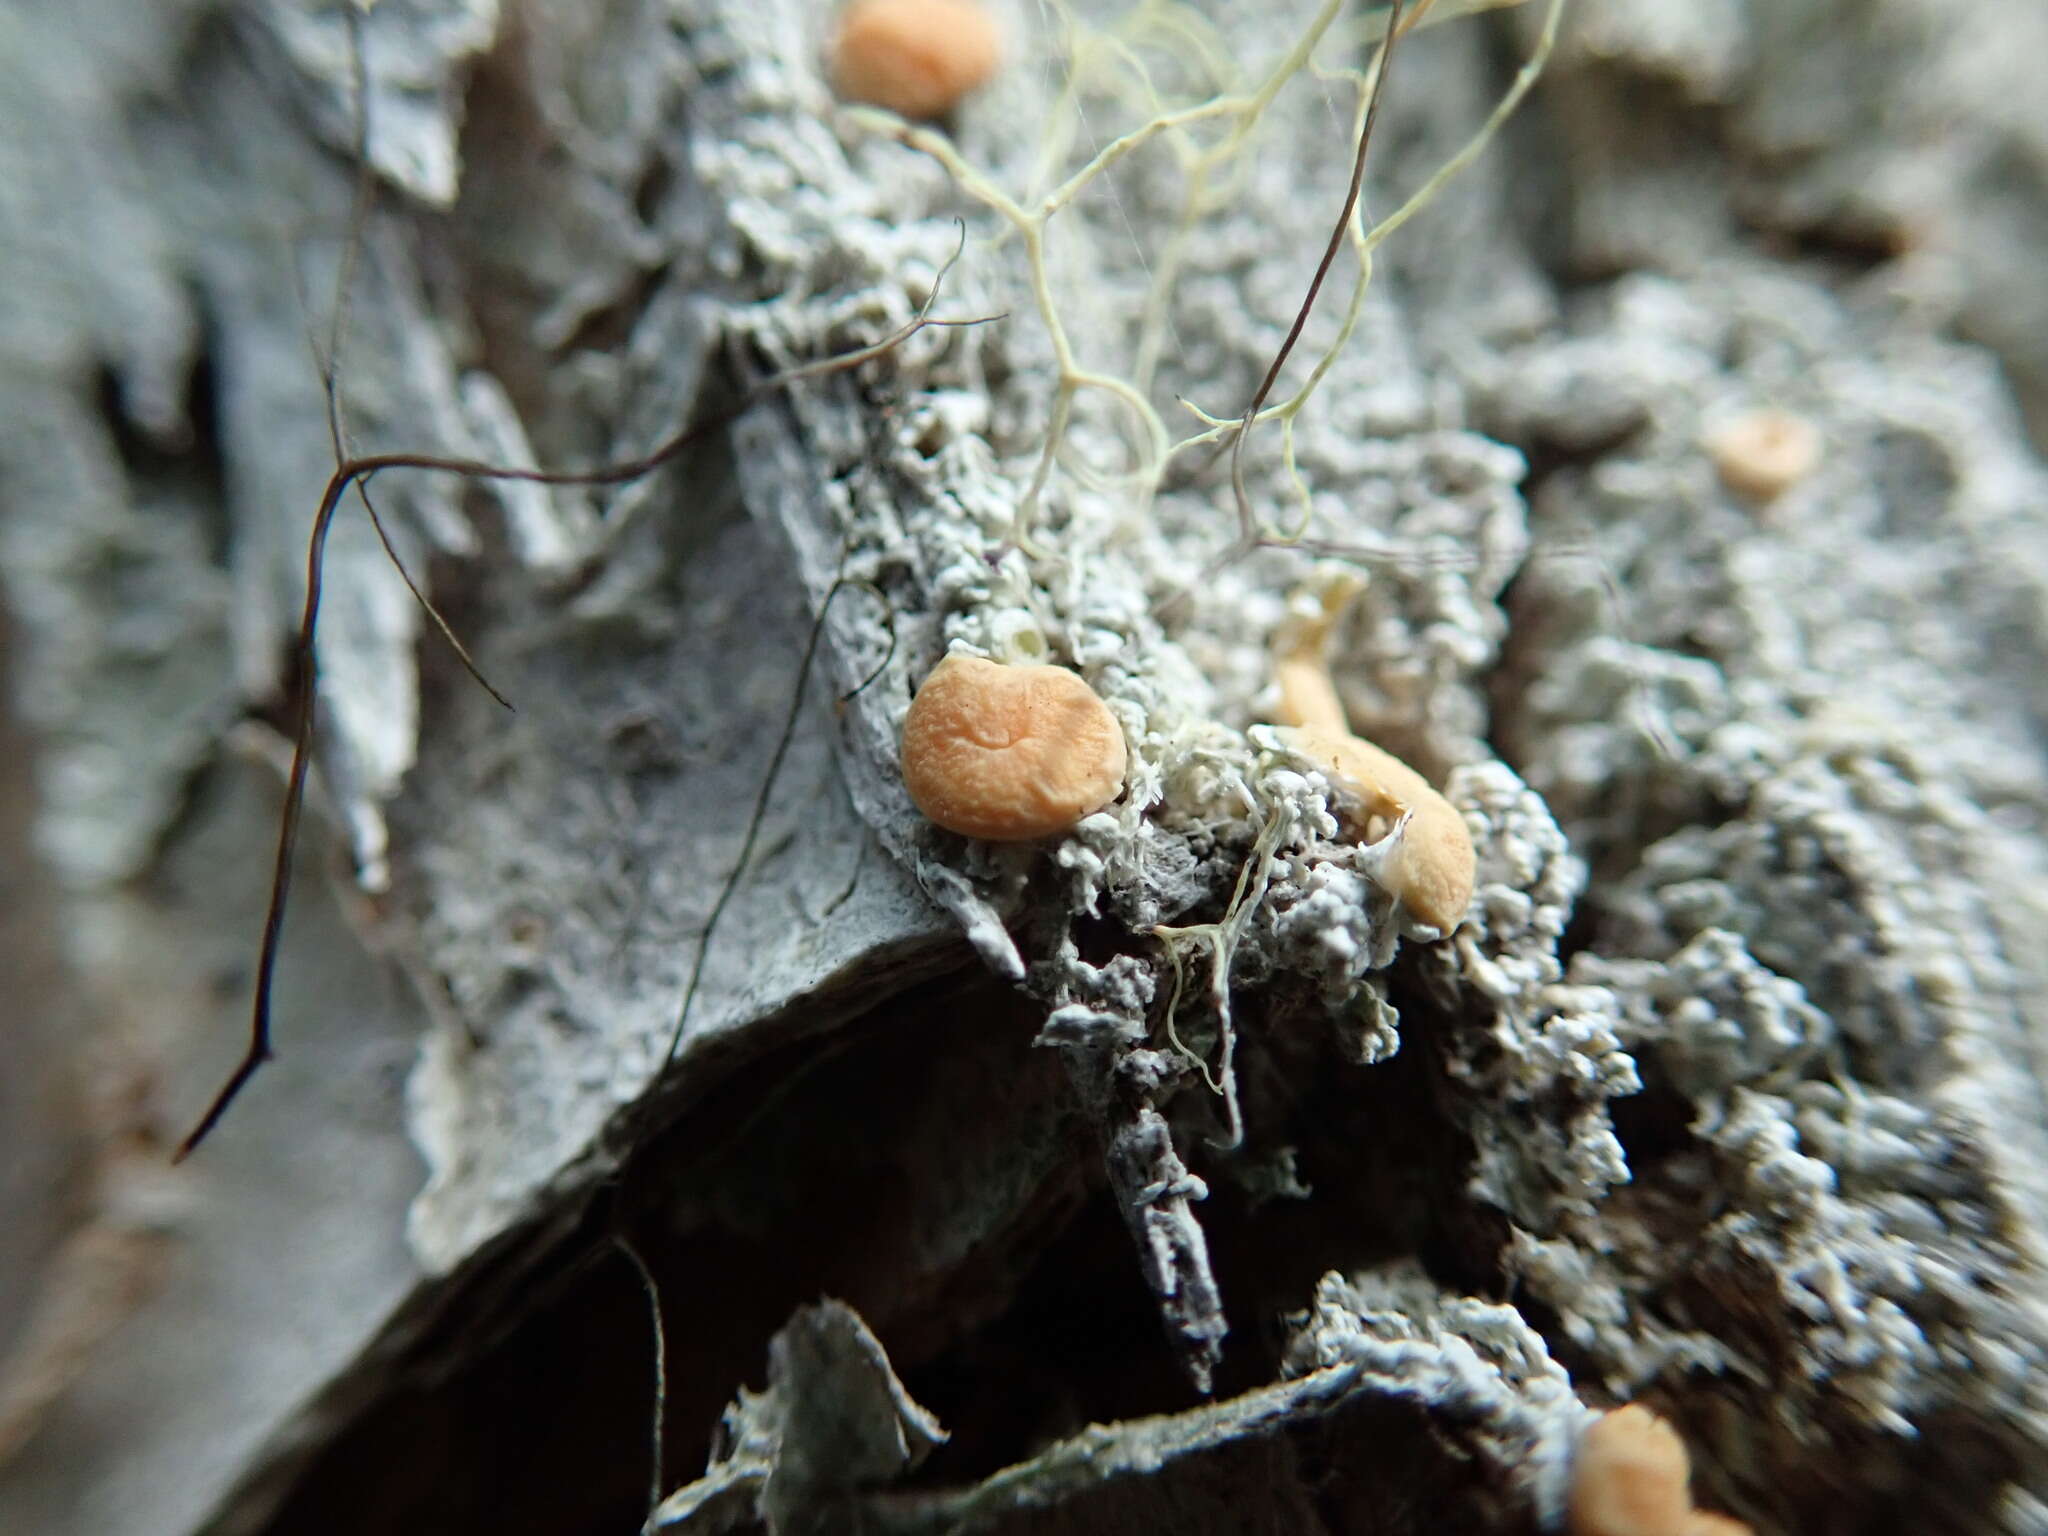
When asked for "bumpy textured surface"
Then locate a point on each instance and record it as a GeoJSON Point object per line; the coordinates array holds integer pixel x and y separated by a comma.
{"type": "Point", "coordinates": [1728, 1096]}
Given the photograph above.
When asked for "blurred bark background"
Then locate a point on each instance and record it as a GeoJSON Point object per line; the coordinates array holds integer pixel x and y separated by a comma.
{"type": "Point", "coordinates": [1729, 1098]}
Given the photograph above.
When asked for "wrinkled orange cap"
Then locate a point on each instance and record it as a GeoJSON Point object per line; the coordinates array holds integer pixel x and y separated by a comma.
{"type": "Point", "coordinates": [1010, 753]}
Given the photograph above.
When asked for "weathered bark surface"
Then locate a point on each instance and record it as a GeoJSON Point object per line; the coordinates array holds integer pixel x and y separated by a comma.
{"type": "Point", "coordinates": [1728, 1096]}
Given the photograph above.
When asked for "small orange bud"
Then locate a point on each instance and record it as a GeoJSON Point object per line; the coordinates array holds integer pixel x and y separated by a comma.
{"type": "Point", "coordinates": [918, 58]}
{"type": "Point", "coordinates": [1764, 454]}
{"type": "Point", "coordinates": [1631, 1478]}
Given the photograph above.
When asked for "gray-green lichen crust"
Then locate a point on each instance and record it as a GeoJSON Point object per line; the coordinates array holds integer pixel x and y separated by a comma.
{"type": "Point", "coordinates": [1728, 1092]}
{"type": "Point", "coordinates": [1810, 986]}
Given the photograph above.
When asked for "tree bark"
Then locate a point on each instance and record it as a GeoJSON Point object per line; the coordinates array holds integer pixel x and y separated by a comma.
{"type": "Point", "coordinates": [1169, 1174]}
